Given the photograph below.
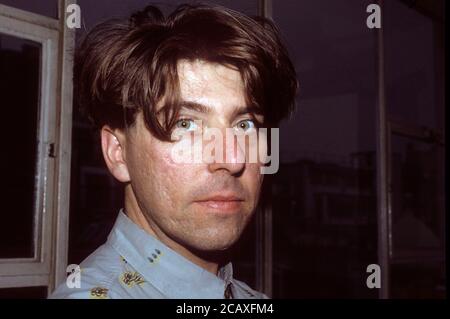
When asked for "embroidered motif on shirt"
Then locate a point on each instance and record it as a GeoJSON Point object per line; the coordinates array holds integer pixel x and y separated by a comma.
{"type": "Point", "coordinates": [154, 256]}
{"type": "Point", "coordinates": [123, 260]}
{"type": "Point", "coordinates": [131, 278]}
{"type": "Point", "coordinates": [99, 293]}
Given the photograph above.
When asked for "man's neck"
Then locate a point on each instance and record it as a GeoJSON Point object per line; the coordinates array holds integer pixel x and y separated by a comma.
{"type": "Point", "coordinates": [134, 212]}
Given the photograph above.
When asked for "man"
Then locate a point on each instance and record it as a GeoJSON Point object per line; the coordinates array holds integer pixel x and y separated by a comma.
{"type": "Point", "coordinates": [141, 81]}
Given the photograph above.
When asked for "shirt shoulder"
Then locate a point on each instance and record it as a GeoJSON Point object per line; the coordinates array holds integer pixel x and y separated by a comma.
{"type": "Point", "coordinates": [98, 275]}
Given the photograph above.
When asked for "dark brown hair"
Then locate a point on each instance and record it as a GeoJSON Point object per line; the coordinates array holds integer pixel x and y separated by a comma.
{"type": "Point", "coordinates": [123, 67]}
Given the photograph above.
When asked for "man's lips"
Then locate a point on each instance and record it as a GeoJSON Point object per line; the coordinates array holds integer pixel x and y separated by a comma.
{"type": "Point", "coordinates": [221, 198]}
{"type": "Point", "coordinates": [221, 202]}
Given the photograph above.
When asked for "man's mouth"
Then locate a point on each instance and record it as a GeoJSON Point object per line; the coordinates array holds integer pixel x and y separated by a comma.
{"type": "Point", "coordinates": [226, 203]}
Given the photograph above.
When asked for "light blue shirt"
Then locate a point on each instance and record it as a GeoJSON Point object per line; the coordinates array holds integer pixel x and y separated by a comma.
{"type": "Point", "coordinates": [134, 264]}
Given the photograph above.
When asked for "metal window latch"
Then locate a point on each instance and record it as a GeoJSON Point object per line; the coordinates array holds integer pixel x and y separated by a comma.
{"type": "Point", "coordinates": [51, 150]}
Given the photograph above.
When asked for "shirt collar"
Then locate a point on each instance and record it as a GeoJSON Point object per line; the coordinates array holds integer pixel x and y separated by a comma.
{"type": "Point", "coordinates": [169, 272]}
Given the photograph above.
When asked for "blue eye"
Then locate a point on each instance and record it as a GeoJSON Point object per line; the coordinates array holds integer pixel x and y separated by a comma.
{"type": "Point", "coordinates": [246, 125]}
{"type": "Point", "coordinates": [186, 124]}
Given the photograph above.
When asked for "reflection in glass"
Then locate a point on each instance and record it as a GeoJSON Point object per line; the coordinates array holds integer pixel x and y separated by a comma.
{"type": "Point", "coordinates": [417, 219]}
{"type": "Point", "coordinates": [324, 195]}
{"type": "Point", "coordinates": [411, 65]}
{"type": "Point", "coordinates": [414, 66]}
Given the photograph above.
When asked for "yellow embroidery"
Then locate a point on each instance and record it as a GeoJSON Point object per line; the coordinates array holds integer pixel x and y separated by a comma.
{"type": "Point", "coordinates": [132, 278]}
{"type": "Point", "coordinates": [99, 293]}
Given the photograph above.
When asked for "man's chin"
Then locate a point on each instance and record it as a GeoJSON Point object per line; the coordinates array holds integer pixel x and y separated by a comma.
{"type": "Point", "coordinates": [211, 245]}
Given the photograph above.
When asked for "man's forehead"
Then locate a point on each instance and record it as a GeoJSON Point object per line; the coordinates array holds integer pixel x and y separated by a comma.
{"type": "Point", "coordinates": [201, 76]}
{"type": "Point", "coordinates": [210, 87]}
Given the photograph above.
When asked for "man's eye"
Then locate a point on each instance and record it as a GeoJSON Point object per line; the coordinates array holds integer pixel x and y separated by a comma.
{"type": "Point", "coordinates": [246, 125]}
{"type": "Point", "coordinates": [186, 124]}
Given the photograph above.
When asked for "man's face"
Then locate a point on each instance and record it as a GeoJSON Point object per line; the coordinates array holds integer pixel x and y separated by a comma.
{"type": "Point", "coordinates": [198, 205]}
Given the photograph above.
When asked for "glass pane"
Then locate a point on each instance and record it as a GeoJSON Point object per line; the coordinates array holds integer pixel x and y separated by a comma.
{"type": "Point", "coordinates": [411, 65]}
{"type": "Point", "coordinates": [414, 60]}
{"type": "Point", "coordinates": [19, 85]}
{"type": "Point", "coordinates": [47, 8]}
{"type": "Point", "coordinates": [324, 195]}
{"type": "Point", "coordinates": [418, 267]}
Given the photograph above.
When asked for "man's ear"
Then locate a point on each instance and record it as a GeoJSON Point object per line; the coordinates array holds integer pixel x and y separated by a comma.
{"type": "Point", "coordinates": [113, 148]}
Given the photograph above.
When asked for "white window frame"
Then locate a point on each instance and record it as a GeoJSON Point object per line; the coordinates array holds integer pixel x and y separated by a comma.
{"type": "Point", "coordinates": [52, 179]}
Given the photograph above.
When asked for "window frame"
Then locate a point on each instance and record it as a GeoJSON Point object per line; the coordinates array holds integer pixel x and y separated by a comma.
{"type": "Point", "coordinates": [52, 176]}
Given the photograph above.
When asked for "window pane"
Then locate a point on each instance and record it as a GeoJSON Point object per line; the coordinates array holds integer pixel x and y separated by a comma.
{"type": "Point", "coordinates": [324, 195]}
{"type": "Point", "coordinates": [412, 65]}
{"type": "Point", "coordinates": [414, 60]}
{"type": "Point", "coordinates": [19, 84]}
{"type": "Point", "coordinates": [418, 268]}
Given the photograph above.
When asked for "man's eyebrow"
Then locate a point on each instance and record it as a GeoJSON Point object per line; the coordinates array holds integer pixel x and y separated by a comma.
{"type": "Point", "coordinates": [248, 110]}
{"type": "Point", "coordinates": [201, 108]}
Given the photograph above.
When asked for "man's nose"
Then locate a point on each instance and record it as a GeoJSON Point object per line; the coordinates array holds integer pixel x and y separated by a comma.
{"type": "Point", "coordinates": [233, 159]}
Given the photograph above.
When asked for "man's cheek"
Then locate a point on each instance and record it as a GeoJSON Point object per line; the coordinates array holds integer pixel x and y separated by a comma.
{"type": "Point", "coordinates": [175, 176]}
{"type": "Point", "coordinates": [255, 173]}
